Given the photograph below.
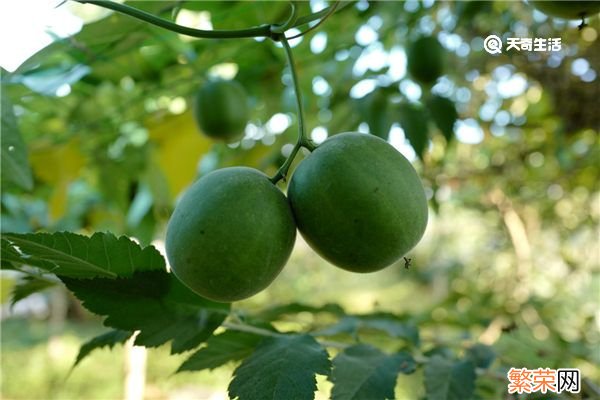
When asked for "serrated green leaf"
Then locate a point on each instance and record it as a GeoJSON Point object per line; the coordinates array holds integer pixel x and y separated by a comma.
{"type": "Point", "coordinates": [449, 380]}
{"type": "Point", "coordinates": [413, 120]}
{"type": "Point", "coordinates": [482, 355]}
{"type": "Point", "coordinates": [282, 367]}
{"type": "Point", "coordinates": [393, 327]}
{"type": "Point", "coordinates": [109, 339]}
{"type": "Point", "coordinates": [14, 164]}
{"type": "Point", "coordinates": [443, 112]}
{"type": "Point", "coordinates": [27, 286]}
{"type": "Point", "coordinates": [387, 323]}
{"type": "Point", "coordinates": [221, 349]}
{"type": "Point", "coordinates": [77, 256]}
{"type": "Point", "coordinates": [364, 372]}
{"type": "Point", "coordinates": [154, 302]}
{"type": "Point", "coordinates": [348, 324]}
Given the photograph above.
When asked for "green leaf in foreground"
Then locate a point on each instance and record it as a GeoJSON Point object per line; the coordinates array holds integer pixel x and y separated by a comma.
{"type": "Point", "coordinates": [364, 372]}
{"type": "Point", "coordinates": [449, 379]}
{"type": "Point", "coordinates": [109, 339]}
{"type": "Point", "coordinates": [77, 256]}
{"type": "Point", "coordinates": [281, 367]}
{"type": "Point", "coordinates": [14, 164]}
{"type": "Point", "coordinates": [221, 349]}
{"type": "Point", "coordinates": [156, 304]}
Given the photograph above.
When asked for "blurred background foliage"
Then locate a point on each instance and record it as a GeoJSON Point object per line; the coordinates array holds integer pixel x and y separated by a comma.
{"type": "Point", "coordinates": [510, 258]}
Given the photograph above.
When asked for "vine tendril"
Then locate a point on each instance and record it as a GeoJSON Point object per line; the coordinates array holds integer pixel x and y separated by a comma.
{"type": "Point", "coordinates": [303, 141]}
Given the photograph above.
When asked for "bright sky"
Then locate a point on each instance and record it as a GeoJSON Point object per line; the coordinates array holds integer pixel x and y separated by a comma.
{"type": "Point", "coordinates": [27, 26]}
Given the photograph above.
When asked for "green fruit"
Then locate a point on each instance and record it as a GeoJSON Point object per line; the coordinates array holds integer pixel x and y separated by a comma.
{"type": "Point", "coordinates": [567, 9]}
{"type": "Point", "coordinates": [358, 202]}
{"type": "Point", "coordinates": [230, 235]}
{"type": "Point", "coordinates": [426, 59]}
{"type": "Point", "coordinates": [221, 110]}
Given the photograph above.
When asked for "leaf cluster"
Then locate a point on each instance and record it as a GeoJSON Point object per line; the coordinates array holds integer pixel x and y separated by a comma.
{"type": "Point", "coordinates": [130, 287]}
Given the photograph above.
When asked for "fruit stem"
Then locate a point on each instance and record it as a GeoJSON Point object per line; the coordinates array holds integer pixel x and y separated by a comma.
{"type": "Point", "coordinates": [303, 141]}
{"type": "Point", "coordinates": [283, 170]}
{"type": "Point", "coordinates": [297, 92]}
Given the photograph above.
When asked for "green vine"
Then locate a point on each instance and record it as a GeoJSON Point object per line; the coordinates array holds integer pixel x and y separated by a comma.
{"type": "Point", "coordinates": [267, 30]}
{"type": "Point", "coordinates": [259, 31]}
{"type": "Point", "coordinates": [330, 11]}
{"type": "Point", "coordinates": [289, 23]}
{"type": "Point", "coordinates": [303, 141]}
{"type": "Point", "coordinates": [275, 32]}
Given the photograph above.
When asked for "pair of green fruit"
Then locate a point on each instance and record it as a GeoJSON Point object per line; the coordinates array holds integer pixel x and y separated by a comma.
{"type": "Point", "coordinates": [356, 200]}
